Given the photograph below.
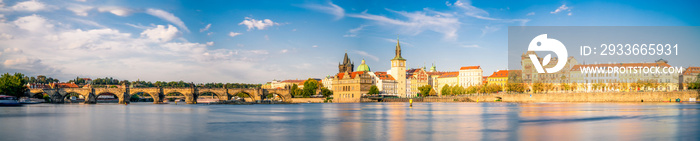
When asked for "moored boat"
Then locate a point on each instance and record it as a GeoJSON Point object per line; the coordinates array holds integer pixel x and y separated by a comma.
{"type": "Point", "coordinates": [9, 101]}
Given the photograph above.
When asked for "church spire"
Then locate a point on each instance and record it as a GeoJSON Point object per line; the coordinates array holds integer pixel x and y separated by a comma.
{"type": "Point", "coordinates": [398, 50]}
{"type": "Point", "coordinates": [346, 59]}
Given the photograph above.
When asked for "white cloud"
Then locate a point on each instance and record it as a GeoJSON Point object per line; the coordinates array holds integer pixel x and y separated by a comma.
{"type": "Point", "coordinates": [569, 14]}
{"type": "Point", "coordinates": [353, 32]}
{"type": "Point", "coordinates": [472, 11]}
{"type": "Point", "coordinates": [403, 43]}
{"type": "Point", "coordinates": [168, 17]}
{"type": "Point", "coordinates": [81, 0]}
{"type": "Point", "coordinates": [5, 36]}
{"type": "Point", "coordinates": [139, 26]}
{"type": "Point", "coordinates": [284, 50]}
{"type": "Point", "coordinates": [210, 43]}
{"type": "Point", "coordinates": [205, 28]}
{"type": "Point", "coordinates": [560, 9]}
{"type": "Point", "coordinates": [87, 22]}
{"type": "Point", "coordinates": [259, 24]}
{"type": "Point", "coordinates": [80, 10]}
{"type": "Point", "coordinates": [12, 50]}
{"type": "Point", "coordinates": [119, 11]}
{"type": "Point", "coordinates": [234, 34]}
{"type": "Point", "coordinates": [33, 23]}
{"type": "Point", "coordinates": [31, 6]}
{"type": "Point", "coordinates": [365, 54]}
{"type": "Point", "coordinates": [11, 62]}
{"type": "Point", "coordinates": [470, 46]}
{"type": "Point", "coordinates": [161, 33]}
{"type": "Point", "coordinates": [530, 14]}
{"type": "Point", "coordinates": [64, 52]}
{"type": "Point", "coordinates": [489, 29]}
{"type": "Point", "coordinates": [331, 8]}
{"type": "Point", "coordinates": [314, 46]}
{"type": "Point", "coordinates": [417, 22]}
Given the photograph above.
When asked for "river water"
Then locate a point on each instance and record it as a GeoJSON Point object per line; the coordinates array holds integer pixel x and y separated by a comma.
{"type": "Point", "coordinates": [357, 121]}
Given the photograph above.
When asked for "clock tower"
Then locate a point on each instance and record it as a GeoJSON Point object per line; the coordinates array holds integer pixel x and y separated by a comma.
{"type": "Point", "coordinates": [398, 71]}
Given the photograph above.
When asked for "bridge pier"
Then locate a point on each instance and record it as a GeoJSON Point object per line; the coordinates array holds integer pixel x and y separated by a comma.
{"type": "Point", "coordinates": [124, 100]}
{"type": "Point", "coordinates": [56, 98]}
{"type": "Point", "coordinates": [158, 98]}
{"type": "Point", "coordinates": [191, 99]}
{"type": "Point", "coordinates": [91, 99]}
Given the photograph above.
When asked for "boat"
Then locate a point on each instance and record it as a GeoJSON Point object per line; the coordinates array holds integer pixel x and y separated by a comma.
{"type": "Point", "coordinates": [9, 101]}
{"type": "Point", "coordinates": [29, 101]}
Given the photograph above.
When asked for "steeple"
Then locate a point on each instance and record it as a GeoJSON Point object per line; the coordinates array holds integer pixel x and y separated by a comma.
{"type": "Point", "coordinates": [398, 50]}
{"type": "Point", "coordinates": [346, 59]}
{"type": "Point", "coordinates": [346, 65]}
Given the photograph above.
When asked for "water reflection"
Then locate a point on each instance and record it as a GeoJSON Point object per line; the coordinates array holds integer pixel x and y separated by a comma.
{"type": "Point", "coordinates": [366, 121]}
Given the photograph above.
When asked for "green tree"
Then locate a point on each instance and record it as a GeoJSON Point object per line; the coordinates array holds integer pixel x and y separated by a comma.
{"type": "Point", "coordinates": [294, 89]}
{"type": "Point", "coordinates": [472, 89]}
{"type": "Point", "coordinates": [13, 85]}
{"type": "Point", "coordinates": [134, 98]}
{"type": "Point", "coordinates": [515, 87]}
{"type": "Point", "coordinates": [373, 90]}
{"type": "Point", "coordinates": [326, 92]}
{"type": "Point", "coordinates": [46, 98]}
{"type": "Point", "coordinates": [425, 90]}
{"type": "Point", "coordinates": [310, 87]}
{"type": "Point", "coordinates": [458, 90]}
{"type": "Point", "coordinates": [537, 87]}
{"type": "Point", "coordinates": [446, 90]}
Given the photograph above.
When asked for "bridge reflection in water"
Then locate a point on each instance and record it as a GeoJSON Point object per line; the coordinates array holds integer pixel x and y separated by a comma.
{"type": "Point", "coordinates": [190, 95]}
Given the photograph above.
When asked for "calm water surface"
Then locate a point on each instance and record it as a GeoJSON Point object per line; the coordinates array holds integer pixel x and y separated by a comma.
{"type": "Point", "coordinates": [360, 121]}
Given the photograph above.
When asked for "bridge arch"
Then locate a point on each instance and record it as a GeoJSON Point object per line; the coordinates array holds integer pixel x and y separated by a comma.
{"type": "Point", "coordinates": [70, 95]}
{"type": "Point", "coordinates": [242, 95]}
{"type": "Point", "coordinates": [189, 94]}
{"type": "Point", "coordinates": [284, 94]}
{"type": "Point", "coordinates": [143, 95]}
{"type": "Point", "coordinates": [275, 96]}
{"type": "Point", "coordinates": [220, 93]}
{"type": "Point", "coordinates": [253, 94]}
{"type": "Point", "coordinates": [107, 97]}
{"type": "Point", "coordinates": [155, 93]}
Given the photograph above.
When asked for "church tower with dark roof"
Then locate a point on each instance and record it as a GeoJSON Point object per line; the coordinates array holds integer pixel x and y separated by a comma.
{"type": "Point", "coordinates": [346, 65]}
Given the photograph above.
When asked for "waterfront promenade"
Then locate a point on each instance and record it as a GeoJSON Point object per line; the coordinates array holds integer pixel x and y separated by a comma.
{"type": "Point", "coordinates": [559, 97]}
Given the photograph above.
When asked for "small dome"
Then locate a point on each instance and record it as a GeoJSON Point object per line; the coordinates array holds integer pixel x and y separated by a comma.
{"type": "Point", "coordinates": [363, 66]}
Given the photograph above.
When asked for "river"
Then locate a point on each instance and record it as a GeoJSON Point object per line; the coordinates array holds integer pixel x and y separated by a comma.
{"type": "Point", "coordinates": [356, 121]}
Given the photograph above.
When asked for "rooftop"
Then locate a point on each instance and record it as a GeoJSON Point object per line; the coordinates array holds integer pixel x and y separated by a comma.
{"type": "Point", "coordinates": [470, 67]}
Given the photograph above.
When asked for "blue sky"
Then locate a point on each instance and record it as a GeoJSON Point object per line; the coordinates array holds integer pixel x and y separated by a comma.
{"type": "Point", "coordinates": [257, 41]}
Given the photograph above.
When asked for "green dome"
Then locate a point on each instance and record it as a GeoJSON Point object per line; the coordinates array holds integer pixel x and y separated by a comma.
{"type": "Point", "coordinates": [363, 66]}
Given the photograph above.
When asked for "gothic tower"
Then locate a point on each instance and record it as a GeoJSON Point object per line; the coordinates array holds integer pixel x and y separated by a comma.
{"type": "Point", "coordinates": [398, 71]}
{"type": "Point", "coordinates": [346, 65]}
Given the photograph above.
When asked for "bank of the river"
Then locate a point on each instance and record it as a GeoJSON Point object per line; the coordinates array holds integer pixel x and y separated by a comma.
{"type": "Point", "coordinates": [591, 97]}
{"type": "Point", "coordinates": [559, 97]}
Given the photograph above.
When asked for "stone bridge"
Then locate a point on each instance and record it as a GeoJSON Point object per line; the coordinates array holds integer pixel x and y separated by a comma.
{"type": "Point", "coordinates": [158, 94]}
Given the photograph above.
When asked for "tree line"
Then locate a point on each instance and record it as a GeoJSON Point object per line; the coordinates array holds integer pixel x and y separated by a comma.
{"type": "Point", "coordinates": [311, 87]}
